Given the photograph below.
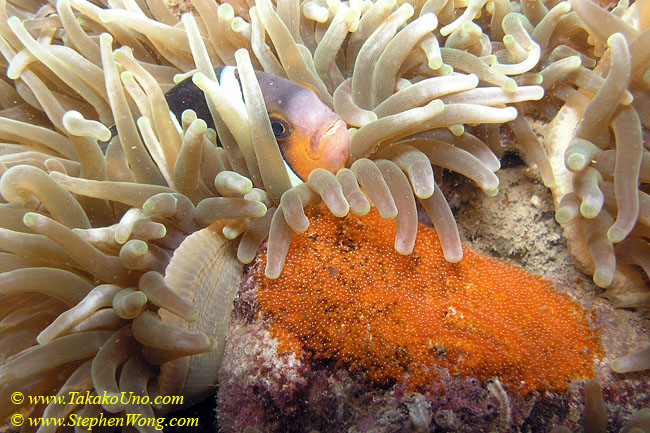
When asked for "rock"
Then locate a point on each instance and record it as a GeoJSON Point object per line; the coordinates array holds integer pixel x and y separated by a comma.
{"type": "Point", "coordinates": [276, 390]}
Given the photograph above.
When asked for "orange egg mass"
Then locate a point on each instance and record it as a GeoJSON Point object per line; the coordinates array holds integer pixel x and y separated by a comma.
{"type": "Point", "coordinates": [345, 294]}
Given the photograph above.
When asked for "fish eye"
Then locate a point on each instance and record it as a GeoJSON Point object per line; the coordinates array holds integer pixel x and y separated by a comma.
{"type": "Point", "coordinates": [281, 128]}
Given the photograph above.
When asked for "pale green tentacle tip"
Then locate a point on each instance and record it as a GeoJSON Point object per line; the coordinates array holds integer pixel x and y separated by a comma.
{"type": "Point", "coordinates": [177, 78]}
{"type": "Point", "coordinates": [510, 85]}
{"type": "Point", "coordinates": [333, 5]}
{"type": "Point", "coordinates": [453, 256]}
{"type": "Point", "coordinates": [139, 247]}
{"type": "Point", "coordinates": [603, 279]}
{"type": "Point", "coordinates": [613, 39]}
{"type": "Point", "coordinates": [75, 124]}
{"type": "Point", "coordinates": [139, 298]}
{"type": "Point", "coordinates": [211, 135]}
{"type": "Point", "coordinates": [388, 213]}
{"type": "Point", "coordinates": [194, 315]}
{"type": "Point", "coordinates": [446, 70]}
{"type": "Point", "coordinates": [121, 238]}
{"type": "Point", "coordinates": [127, 76]}
{"type": "Point", "coordinates": [362, 210]}
{"type": "Point", "coordinates": [226, 11]}
{"type": "Point", "coordinates": [431, 18]}
{"type": "Point", "coordinates": [14, 21]}
{"type": "Point", "coordinates": [106, 38]}
{"type": "Point", "coordinates": [244, 257]}
{"type": "Point", "coordinates": [30, 219]}
{"type": "Point", "coordinates": [260, 209]}
{"type": "Point", "coordinates": [437, 106]}
{"type": "Point", "coordinates": [187, 17]}
{"type": "Point", "coordinates": [404, 247]}
{"type": "Point", "coordinates": [230, 182]}
{"type": "Point", "coordinates": [637, 361]}
{"type": "Point", "coordinates": [576, 161]}
{"type": "Point", "coordinates": [491, 189]}
{"type": "Point", "coordinates": [590, 210]}
{"type": "Point", "coordinates": [549, 183]}
{"type": "Point", "coordinates": [423, 190]}
{"type": "Point", "coordinates": [457, 130]}
{"type": "Point", "coordinates": [435, 63]}
{"type": "Point", "coordinates": [273, 272]}
{"type": "Point", "coordinates": [563, 215]}
{"type": "Point", "coordinates": [149, 206]}
{"type": "Point", "coordinates": [408, 8]}
{"type": "Point", "coordinates": [200, 79]}
{"type": "Point", "coordinates": [616, 233]}
{"type": "Point", "coordinates": [200, 124]}
{"type": "Point", "coordinates": [339, 209]}
{"type": "Point", "coordinates": [508, 39]}
{"type": "Point", "coordinates": [230, 233]}
{"type": "Point", "coordinates": [188, 116]}
{"type": "Point", "coordinates": [574, 62]}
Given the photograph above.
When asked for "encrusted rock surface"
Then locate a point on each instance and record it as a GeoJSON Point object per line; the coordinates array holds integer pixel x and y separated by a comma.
{"type": "Point", "coordinates": [272, 390]}
{"type": "Point", "coordinates": [276, 391]}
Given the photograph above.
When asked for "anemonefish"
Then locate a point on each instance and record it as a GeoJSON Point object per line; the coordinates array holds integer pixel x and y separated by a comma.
{"type": "Point", "coordinates": [310, 135]}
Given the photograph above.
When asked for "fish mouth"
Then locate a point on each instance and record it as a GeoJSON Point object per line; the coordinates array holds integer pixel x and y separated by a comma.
{"type": "Point", "coordinates": [330, 146]}
{"type": "Point", "coordinates": [327, 148]}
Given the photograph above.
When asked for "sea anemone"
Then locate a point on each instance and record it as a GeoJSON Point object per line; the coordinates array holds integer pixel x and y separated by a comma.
{"type": "Point", "coordinates": [598, 149]}
{"type": "Point", "coordinates": [111, 241]}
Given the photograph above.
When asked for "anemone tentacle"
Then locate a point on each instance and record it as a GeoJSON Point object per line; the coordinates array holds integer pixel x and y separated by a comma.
{"type": "Point", "coordinates": [103, 186]}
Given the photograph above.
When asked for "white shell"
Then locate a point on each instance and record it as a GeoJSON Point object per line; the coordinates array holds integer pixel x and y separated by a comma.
{"type": "Point", "coordinates": [206, 272]}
